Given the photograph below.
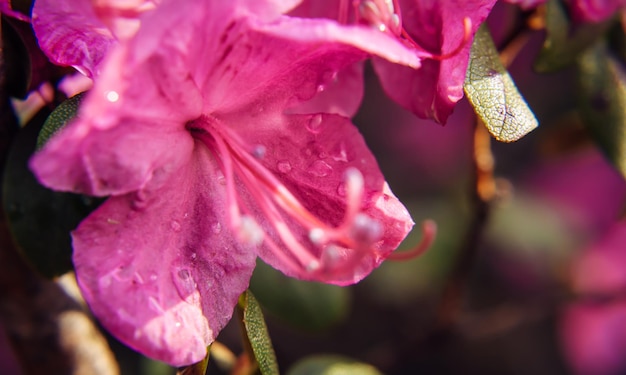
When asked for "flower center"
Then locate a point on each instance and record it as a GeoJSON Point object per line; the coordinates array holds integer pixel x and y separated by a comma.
{"type": "Point", "coordinates": [385, 15]}
{"type": "Point", "coordinates": [303, 241]}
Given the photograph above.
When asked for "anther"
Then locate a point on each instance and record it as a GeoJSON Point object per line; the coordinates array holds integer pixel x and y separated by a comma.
{"type": "Point", "coordinates": [249, 231]}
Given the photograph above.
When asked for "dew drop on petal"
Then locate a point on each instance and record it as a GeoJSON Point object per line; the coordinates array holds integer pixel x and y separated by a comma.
{"type": "Point", "coordinates": [175, 225]}
{"type": "Point", "coordinates": [315, 124]}
{"type": "Point", "coordinates": [185, 284]}
{"type": "Point", "coordinates": [153, 277]}
{"type": "Point", "coordinates": [216, 228]}
{"type": "Point", "coordinates": [112, 96]}
{"type": "Point", "coordinates": [341, 189]}
{"type": "Point", "coordinates": [259, 151]}
{"type": "Point", "coordinates": [283, 166]}
{"type": "Point", "coordinates": [320, 168]}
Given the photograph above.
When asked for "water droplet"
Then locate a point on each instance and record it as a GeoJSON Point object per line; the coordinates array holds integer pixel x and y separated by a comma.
{"type": "Point", "coordinates": [340, 153]}
{"type": "Point", "coordinates": [259, 151]}
{"type": "Point", "coordinates": [283, 166]}
{"type": "Point", "coordinates": [321, 88]}
{"type": "Point", "coordinates": [175, 225]}
{"type": "Point", "coordinates": [313, 265]}
{"type": "Point", "coordinates": [153, 277]}
{"type": "Point", "coordinates": [112, 96]}
{"type": "Point", "coordinates": [155, 305]}
{"type": "Point", "coordinates": [140, 200]}
{"type": "Point", "coordinates": [320, 168]}
{"type": "Point", "coordinates": [138, 278]}
{"type": "Point", "coordinates": [185, 284]}
{"type": "Point", "coordinates": [216, 227]}
{"type": "Point", "coordinates": [315, 124]}
{"type": "Point", "coordinates": [194, 256]}
{"type": "Point", "coordinates": [221, 179]}
{"type": "Point", "coordinates": [341, 189]}
{"type": "Point", "coordinates": [177, 324]}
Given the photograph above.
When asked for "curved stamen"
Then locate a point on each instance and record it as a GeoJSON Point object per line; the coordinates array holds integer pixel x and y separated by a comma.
{"type": "Point", "coordinates": [429, 231]}
{"type": "Point", "coordinates": [332, 248]}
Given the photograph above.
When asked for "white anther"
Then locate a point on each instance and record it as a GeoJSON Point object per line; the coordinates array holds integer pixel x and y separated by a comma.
{"type": "Point", "coordinates": [249, 231]}
{"type": "Point", "coordinates": [366, 230]}
{"type": "Point", "coordinates": [317, 236]}
{"type": "Point", "coordinates": [313, 266]}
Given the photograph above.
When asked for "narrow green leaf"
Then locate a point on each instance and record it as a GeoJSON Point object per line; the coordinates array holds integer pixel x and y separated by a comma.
{"type": "Point", "coordinates": [562, 45]}
{"type": "Point", "coordinates": [63, 114]}
{"type": "Point", "coordinates": [331, 365]}
{"type": "Point", "coordinates": [493, 94]}
{"type": "Point", "coordinates": [257, 335]}
{"type": "Point", "coordinates": [307, 305]}
{"type": "Point", "coordinates": [602, 101]}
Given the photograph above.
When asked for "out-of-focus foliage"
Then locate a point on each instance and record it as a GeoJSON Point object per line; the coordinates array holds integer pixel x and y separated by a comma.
{"type": "Point", "coordinates": [308, 305]}
{"type": "Point", "coordinates": [565, 42]}
{"type": "Point", "coordinates": [61, 115]}
{"type": "Point", "coordinates": [602, 101]}
{"type": "Point", "coordinates": [331, 365]}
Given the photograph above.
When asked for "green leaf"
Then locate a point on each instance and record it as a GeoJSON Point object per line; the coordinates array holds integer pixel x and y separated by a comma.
{"type": "Point", "coordinates": [602, 102]}
{"type": "Point", "coordinates": [63, 114]}
{"type": "Point", "coordinates": [307, 305]}
{"type": "Point", "coordinates": [40, 219]}
{"type": "Point", "coordinates": [331, 365]}
{"type": "Point", "coordinates": [493, 94]}
{"type": "Point", "coordinates": [562, 45]}
{"type": "Point", "coordinates": [256, 333]}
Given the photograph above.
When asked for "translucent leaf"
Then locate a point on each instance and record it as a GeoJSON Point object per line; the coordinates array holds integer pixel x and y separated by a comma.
{"type": "Point", "coordinates": [40, 219]}
{"type": "Point", "coordinates": [63, 114]}
{"type": "Point", "coordinates": [602, 101]}
{"type": "Point", "coordinates": [308, 305]}
{"type": "Point", "coordinates": [331, 365]}
{"type": "Point", "coordinates": [493, 94]}
{"type": "Point", "coordinates": [256, 332]}
{"type": "Point", "coordinates": [562, 46]}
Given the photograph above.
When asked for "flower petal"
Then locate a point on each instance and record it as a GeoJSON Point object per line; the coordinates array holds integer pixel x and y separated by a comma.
{"type": "Point", "coordinates": [71, 34]}
{"type": "Point", "coordinates": [159, 269]}
{"type": "Point", "coordinates": [433, 90]}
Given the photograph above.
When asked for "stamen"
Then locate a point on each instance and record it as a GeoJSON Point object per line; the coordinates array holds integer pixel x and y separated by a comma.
{"type": "Point", "coordinates": [249, 231]}
{"type": "Point", "coordinates": [429, 232]}
{"type": "Point", "coordinates": [329, 249]}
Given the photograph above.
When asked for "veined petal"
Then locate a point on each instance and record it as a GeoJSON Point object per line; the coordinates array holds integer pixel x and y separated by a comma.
{"type": "Point", "coordinates": [433, 90]}
{"type": "Point", "coordinates": [159, 268]}
{"type": "Point", "coordinates": [71, 34]}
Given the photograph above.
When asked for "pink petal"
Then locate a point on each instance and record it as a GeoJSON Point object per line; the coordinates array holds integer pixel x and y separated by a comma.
{"type": "Point", "coordinates": [71, 34]}
{"type": "Point", "coordinates": [594, 338]}
{"type": "Point", "coordinates": [433, 90]}
{"type": "Point", "coordinates": [159, 268]}
{"type": "Point", "coordinates": [596, 10]}
{"type": "Point", "coordinates": [527, 4]}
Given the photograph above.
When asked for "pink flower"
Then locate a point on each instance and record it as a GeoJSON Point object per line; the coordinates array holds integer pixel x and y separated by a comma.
{"type": "Point", "coordinates": [440, 32]}
{"type": "Point", "coordinates": [198, 129]}
{"type": "Point", "coordinates": [594, 332]}
{"type": "Point", "coordinates": [582, 10]}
